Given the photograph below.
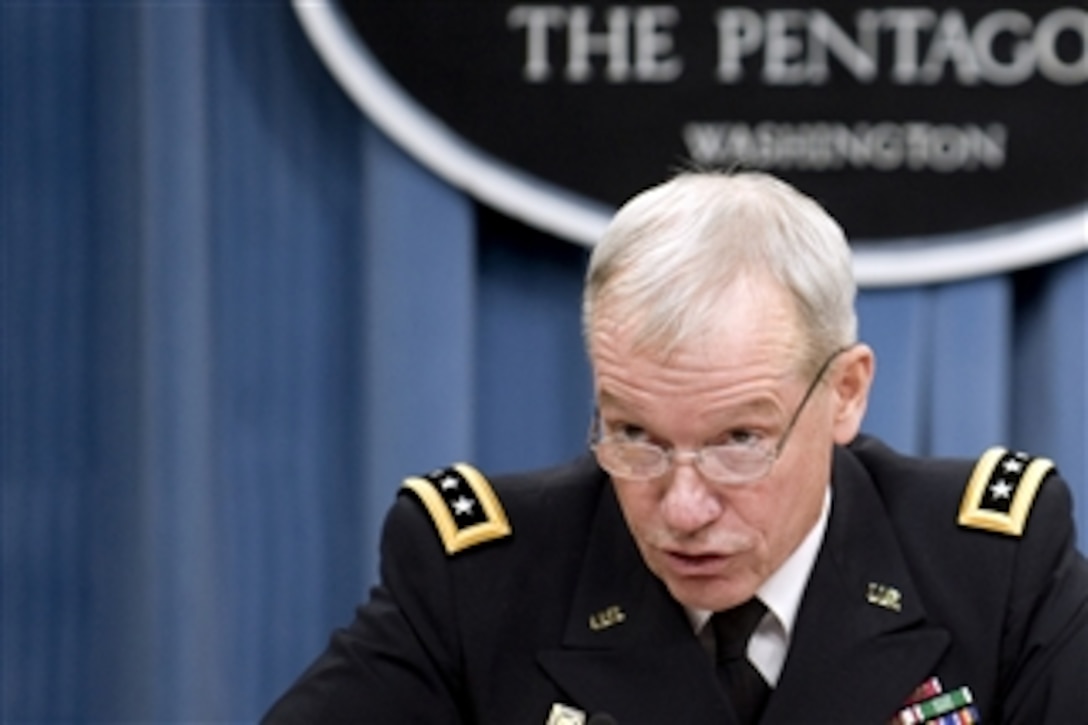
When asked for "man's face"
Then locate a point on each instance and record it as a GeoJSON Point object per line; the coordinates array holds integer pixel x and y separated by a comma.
{"type": "Point", "coordinates": [714, 544]}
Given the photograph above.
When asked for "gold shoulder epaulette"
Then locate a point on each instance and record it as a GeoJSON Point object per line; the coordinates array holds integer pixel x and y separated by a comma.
{"type": "Point", "coordinates": [463, 506]}
{"type": "Point", "coordinates": [1001, 491]}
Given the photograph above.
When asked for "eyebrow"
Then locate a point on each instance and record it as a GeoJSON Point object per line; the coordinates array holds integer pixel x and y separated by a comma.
{"type": "Point", "coordinates": [606, 398]}
{"type": "Point", "coordinates": [762, 405]}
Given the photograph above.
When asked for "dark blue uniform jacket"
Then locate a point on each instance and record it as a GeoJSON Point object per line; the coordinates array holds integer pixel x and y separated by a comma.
{"type": "Point", "coordinates": [563, 611]}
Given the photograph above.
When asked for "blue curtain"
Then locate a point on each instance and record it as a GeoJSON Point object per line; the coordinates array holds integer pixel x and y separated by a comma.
{"type": "Point", "coordinates": [233, 316]}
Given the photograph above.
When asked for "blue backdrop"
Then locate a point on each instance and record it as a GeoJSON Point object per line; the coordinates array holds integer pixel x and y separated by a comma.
{"type": "Point", "coordinates": [234, 316]}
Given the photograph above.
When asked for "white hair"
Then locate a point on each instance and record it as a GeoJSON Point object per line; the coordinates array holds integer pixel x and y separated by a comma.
{"type": "Point", "coordinates": [668, 253]}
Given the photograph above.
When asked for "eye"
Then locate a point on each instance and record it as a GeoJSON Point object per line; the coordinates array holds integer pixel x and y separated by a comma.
{"type": "Point", "coordinates": [742, 438]}
{"type": "Point", "coordinates": [628, 432]}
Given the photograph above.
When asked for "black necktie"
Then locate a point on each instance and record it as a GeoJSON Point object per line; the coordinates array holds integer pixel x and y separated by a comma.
{"type": "Point", "coordinates": [746, 687]}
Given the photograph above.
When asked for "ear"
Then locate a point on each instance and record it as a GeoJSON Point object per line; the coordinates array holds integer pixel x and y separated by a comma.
{"type": "Point", "coordinates": [852, 380]}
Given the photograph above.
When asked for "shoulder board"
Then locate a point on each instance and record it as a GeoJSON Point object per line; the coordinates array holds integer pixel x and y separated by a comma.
{"type": "Point", "coordinates": [463, 506]}
{"type": "Point", "coordinates": [1001, 491]}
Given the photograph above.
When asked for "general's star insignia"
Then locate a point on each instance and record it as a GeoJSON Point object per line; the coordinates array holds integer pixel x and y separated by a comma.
{"type": "Point", "coordinates": [1001, 491]}
{"type": "Point", "coordinates": [463, 506]}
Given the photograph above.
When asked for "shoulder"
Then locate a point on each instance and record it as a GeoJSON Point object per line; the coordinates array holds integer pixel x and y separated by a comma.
{"type": "Point", "coordinates": [1001, 492]}
{"type": "Point", "coordinates": [467, 510]}
{"type": "Point", "coordinates": [978, 531]}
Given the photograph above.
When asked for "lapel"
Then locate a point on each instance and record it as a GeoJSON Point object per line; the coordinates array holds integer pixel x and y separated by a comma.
{"type": "Point", "coordinates": [852, 660]}
{"type": "Point", "coordinates": [628, 649]}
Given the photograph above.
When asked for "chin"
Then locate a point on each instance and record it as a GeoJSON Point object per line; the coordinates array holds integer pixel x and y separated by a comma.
{"type": "Point", "coordinates": [713, 595]}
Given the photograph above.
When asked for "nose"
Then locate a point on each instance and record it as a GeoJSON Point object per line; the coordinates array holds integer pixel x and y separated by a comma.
{"type": "Point", "coordinates": [689, 503]}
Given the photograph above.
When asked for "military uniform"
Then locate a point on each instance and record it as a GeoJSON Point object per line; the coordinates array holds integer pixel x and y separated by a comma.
{"type": "Point", "coordinates": [529, 603]}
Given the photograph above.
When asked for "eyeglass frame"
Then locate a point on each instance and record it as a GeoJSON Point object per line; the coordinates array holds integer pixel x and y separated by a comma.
{"type": "Point", "coordinates": [668, 455]}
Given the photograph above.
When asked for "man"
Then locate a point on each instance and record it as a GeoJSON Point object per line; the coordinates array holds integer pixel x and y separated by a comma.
{"type": "Point", "coordinates": [727, 476]}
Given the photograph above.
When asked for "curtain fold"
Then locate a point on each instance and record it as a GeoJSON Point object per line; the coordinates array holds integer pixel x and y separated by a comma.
{"type": "Point", "coordinates": [177, 426]}
{"type": "Point", "coordinates": [534, 398]}
{"type": "Point", "coordinates": [896, 324]}
{"type": "Point", "coordinates": [969, 354]}
{"type": "Point", "coordinates": [233, 316]}
{"type": "Point", "coordinates": [1048, 398]}
{"type": "Point", "coordinates": [418, 333]}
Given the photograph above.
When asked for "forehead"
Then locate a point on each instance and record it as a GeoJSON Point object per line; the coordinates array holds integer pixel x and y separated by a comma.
{"type": "Point", "coordinates": [745, 322]}
{"type": "Point", "coordinates": [739, 361]}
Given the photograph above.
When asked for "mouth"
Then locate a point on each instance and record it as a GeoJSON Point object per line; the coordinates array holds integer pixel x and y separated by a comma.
{"type": "Point", "coordinates": [696, 564]}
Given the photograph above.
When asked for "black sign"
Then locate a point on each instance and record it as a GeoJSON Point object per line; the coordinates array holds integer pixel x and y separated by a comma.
{"type": "Point", "coordinates": [962, 126]}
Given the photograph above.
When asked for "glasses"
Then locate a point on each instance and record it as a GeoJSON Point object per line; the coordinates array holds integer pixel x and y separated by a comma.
{"type": "Point", "coordinates": [727, 463]}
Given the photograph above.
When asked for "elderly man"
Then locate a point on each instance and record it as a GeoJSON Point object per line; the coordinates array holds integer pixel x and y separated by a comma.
{"type": "Point", "coordinates": [733, 551]}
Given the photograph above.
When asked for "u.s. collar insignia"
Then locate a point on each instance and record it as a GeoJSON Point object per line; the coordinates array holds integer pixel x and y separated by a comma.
{"type": "Point", "coordinates": [463, 506]}
{"type": "Point", "coordinates": [884, 596]}
{"type": "Point", "coordinates": [608, 617]}
{"type": "Point", "coordinates": [1001, 491]}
